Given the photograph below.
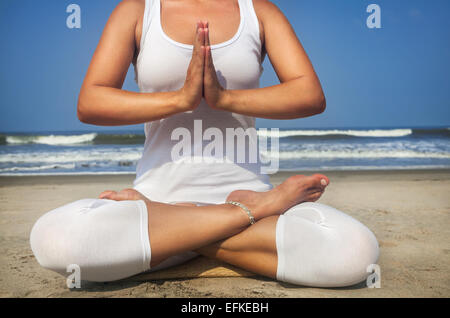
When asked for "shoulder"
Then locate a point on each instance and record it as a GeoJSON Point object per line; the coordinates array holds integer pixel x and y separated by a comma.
{"type": "Point", "coordinates": [129, 15]}
{"type": "Point", "coordinates": [265, 9]}
{"type": "Point", "coordinates": [130, 9]}
{"type": "Point", "coordinates": [132, 4]}
{"type": "Point", "coordinates": [267, 13]}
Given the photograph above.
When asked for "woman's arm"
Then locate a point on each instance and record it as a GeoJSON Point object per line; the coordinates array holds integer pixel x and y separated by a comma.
{"type": "Point", "coordinates": [103, 102]}
{"type": "Point", "coordinates": [299, 94]}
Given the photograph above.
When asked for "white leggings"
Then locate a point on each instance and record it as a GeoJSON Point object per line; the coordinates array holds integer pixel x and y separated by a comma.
{"type": "Point", "coordinates": [317, 245]}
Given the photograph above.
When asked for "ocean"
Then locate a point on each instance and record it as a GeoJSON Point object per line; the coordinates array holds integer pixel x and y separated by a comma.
{"type": "Point", "coordinates": [299, 149]}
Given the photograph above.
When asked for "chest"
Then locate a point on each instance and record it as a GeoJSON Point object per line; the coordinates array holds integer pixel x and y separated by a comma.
{"type": "Point", "coordinates": [163, 66]}
{"type": "Point", "coordinates": [178, 20]}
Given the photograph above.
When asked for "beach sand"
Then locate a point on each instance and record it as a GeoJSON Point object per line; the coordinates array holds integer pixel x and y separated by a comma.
{"type": "Point", "coordinates": [408, 211]}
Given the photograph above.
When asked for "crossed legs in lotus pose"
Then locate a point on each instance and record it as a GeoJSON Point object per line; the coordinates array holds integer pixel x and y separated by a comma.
{"type": "Point", "coordinates": [295, 239]}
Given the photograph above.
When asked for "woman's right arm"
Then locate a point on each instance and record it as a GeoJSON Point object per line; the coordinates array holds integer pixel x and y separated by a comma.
{"type": "Point", "coordinates": [101, 100]}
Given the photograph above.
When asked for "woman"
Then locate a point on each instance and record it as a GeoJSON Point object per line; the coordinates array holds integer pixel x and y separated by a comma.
{"type": "Point", "coordinates": [224, 209]}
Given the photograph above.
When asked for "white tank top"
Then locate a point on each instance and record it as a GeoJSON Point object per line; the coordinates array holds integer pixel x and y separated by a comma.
{"type": "Point", "coordinates": [161, 66]}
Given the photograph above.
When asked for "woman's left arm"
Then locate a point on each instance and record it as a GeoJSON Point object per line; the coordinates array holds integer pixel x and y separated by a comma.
{"type": "Point", "coordinates": [299, 93]}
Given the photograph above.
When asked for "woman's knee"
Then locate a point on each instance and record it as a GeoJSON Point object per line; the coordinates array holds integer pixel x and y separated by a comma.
{"type": "Point", "coordinates": [50, 236]}
{"type": "Point", "coordinates": [107, 239]}
{"type": "Point", "coordinates": [323, 247]}
{"type": "Point", "coordinates": [359, 248]}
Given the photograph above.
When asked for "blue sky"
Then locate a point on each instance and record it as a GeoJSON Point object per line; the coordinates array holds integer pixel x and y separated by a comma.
{"type": "Point", "coordinates": [396, 76]}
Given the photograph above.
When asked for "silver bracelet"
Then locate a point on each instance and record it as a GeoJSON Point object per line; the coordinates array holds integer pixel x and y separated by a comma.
{"type": "Point", "coordinates": [252, 219]}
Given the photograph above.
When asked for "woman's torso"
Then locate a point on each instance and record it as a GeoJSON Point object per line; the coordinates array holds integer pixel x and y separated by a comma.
{"type": "Point", "coordinates": [162, 173]}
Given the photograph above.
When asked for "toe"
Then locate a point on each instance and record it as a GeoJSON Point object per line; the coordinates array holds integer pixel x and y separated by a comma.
{"type": "Point", "coordinates": [107, 194]}
{"type": "Point", "coordinates": [323, 179]}
{"type": "Point", "coordinates": [314, 196]}
{"type": "Point", "coordinates": [127, 194]}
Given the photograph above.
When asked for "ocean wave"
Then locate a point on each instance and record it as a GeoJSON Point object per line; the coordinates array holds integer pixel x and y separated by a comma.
{"type": "Point", "coordinates": [51, 139]}
{"type": "Point", "coordinates": [72, 173]}
{"type": "Point", "coordinates": [299, 168]}
{"type": "Point", "coordinates": [71, 156]}
{"type": "Point", "coordinates": [139, 139]}
{"type": "Point", "coordinates": [37, 168]}
{"type": "Point", "coordinates": [368, 168]}
{"type": "Point", "coordinates": [335, 132]}
{"type": "Point", "coordinates": [353, 154]}
{"type": "Point", "coordinates": [444, 132]}
{"type": "Point", "coordinates": [67, 140]}
{"type": "Point", "coordinates": [119, 139]}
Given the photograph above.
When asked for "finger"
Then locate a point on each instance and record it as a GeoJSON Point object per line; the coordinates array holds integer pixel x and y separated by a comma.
{"type": "Point", "coordinates": [197, 30]}
{"type": "Point", "coordinates": [206, 27]}
{"type": "Point", "coordinates": [199, 42]}
{"type": "Point", "coordinates": [209, 63]}
{"type": "Point", "coordinates": [208, 58]}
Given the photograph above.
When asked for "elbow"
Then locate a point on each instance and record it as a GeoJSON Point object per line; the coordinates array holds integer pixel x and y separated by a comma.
{"type": "Point", "coordinates": [84, 111]}
{"type": "Point", "coordinates": [314, 105]}
{"type": "Point", "coordinates": [317, 103]}
{"type": "Point", "coordinates": [82, 114]}
{"type": "Point", "coordinates": [320, 104]}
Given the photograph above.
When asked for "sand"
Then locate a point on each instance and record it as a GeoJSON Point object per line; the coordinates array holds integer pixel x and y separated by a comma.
{"type": "Point", "coordinates": [409, 212]}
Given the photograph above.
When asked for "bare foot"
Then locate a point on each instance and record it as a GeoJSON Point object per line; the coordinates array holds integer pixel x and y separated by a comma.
{"type": "Point", "coordinates": [292, 191]}
{"type": "Point", "coordinates": [132, 195]}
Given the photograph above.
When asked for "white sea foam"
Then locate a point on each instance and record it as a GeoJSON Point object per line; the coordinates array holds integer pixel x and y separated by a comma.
{"type": "Point", "coordinates": [353, 154]}
{"type": "Point", "coordinates": [368, 168]}
{"type": "Point", "coordinates": [355, 133]}
{"type": "Point", "coordinates": [320, 153]}
{"type": "Point", "coordinates": [72, 156]}
{"type": "Point", "coordinates": [51, 139]}
{"type": "Point", "coordinates": [319, 168]}
{"type": "Point", "coordinates": [37, 168]}
{"type": "Point", "coordinates": [68, 173]}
